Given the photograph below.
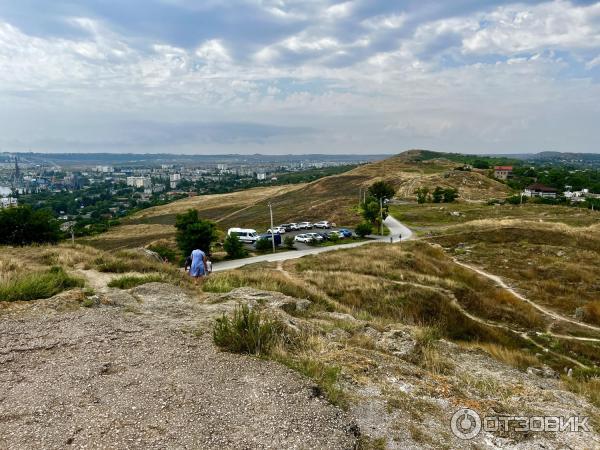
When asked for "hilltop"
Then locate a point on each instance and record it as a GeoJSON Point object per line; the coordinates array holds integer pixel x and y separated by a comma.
{"type": "Point", "coordinates": [334, 198]}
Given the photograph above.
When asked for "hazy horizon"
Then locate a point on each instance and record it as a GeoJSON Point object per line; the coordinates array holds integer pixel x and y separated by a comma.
{"type": "Point", "coordinates": [299, 77]}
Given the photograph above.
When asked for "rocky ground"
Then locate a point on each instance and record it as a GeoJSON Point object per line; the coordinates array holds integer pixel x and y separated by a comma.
{"type": "Point", "coordinates": [137, 371]}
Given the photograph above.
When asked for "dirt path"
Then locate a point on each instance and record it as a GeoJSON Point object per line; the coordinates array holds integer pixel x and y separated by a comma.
{"type": "Point", "coordinates": [496, 279]}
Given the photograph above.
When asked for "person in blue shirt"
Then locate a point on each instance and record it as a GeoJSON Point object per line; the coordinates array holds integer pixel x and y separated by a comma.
{"type": "Point", "coordinates": [198, 268]}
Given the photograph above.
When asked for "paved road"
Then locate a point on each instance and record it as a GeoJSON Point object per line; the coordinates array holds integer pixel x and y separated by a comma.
{"type": "Point", "coordinates": [395, 227]}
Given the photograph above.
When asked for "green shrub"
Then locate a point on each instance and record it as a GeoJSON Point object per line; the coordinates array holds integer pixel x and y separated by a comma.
{"type": "Point", "coordinates": [264, 245]}
{"type": "Point", "coordinates": [246, 332]}
{"type": "Point", "coordinates": [363, 229]}
{"type": "Point", "coordinates": [37, 285]}
{"type": "Point", "coordinates": [586, 374]}
{"type": "Point", "coordinates": [234, 247]}
{"type": "Point", "coordinates": [128, 282]}
{"type": "Point", "coordinates": [164, 252]}
{"type": "Point", "coordinates": [289, 243]}
{"type": "Point", "coordinates": [111, 265]}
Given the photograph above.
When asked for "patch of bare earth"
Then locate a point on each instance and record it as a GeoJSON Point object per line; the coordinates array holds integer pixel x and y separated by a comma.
{"type": "Point", "coordinates": [139, 370]}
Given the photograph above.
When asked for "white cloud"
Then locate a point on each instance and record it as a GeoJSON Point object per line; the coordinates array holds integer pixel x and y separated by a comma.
{"type": "Point", "coordinates": [380, 85]}
{"type": "Point", "coordinates": [339, 10]}
{"type": "Point", "coordinates": [391, 21]}
{"type": "Point", "coordinates": [517, 28]}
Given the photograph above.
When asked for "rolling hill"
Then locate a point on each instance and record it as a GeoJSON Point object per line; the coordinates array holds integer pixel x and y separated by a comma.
{"type": "Point", "coordinates": [333, 198]}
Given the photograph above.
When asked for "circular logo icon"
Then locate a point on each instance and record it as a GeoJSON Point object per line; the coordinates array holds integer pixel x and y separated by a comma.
{"type": "Point", "coordinates": [465, 424]}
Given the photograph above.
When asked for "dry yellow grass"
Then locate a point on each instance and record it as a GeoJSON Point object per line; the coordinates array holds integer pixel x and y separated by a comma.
{"type": "Point", "coordinates": [512, 357]}
{"type": "Point", "coordinates": [233, 201]}
{"type": "Point", "coordinates": [554, 264]}
{"type": "Point", "coordinates": [130, 236]}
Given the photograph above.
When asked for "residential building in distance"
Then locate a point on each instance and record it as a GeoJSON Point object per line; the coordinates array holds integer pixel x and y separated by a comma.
{"type": "Point", "coordinates": [139, 182]}
{"type": "Point", "coordinates": [503, 172]}
{"type": "Point", "coordinates": [579, 196]}
{"type": "Point", "coordinates": [174, 180]}
{"type": "Point", "coordinates": [104, 169]}
{"type": "Point", "coordinates": [540, 190]}
{"type": "Point", "coordinates": [7, 202]}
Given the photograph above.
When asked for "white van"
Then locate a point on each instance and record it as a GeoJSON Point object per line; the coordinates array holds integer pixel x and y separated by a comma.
{"type": "Point", "coordinates": [244, 234]}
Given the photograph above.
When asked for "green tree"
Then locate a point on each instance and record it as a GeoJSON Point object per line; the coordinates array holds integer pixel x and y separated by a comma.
{"type": "Point", "coordinates": [23, 226]}
{"type": "Point", "coordinates": [422, 195]}
{"type": "Point", "coordinates": [371, 210]}
{"type": "Point", "coordinates": [363, 229]}
{"type": "Point", "coordinates": [438, 195]}
{"type": "Point", "coordinates": [382, 190]}
{"type": "Point", "coordinates": [193, 232]}
{"type": "Point", "coordinates": [234, 247]}
{"type": "Point", "coordinates": [450, 195]}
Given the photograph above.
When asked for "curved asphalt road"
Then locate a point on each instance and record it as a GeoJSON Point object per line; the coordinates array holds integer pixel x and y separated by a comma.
{"type": "Point", "coordinates": [395, 227]}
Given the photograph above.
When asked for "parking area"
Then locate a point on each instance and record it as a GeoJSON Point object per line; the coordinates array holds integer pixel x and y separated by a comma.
{"type": "Point", "coordinates": [307, 237]}
{"type": "Point", "coordinates": [302, 245]}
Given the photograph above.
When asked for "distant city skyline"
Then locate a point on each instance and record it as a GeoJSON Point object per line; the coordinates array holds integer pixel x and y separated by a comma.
{"type": "Point", "coordinates": [284, 77]}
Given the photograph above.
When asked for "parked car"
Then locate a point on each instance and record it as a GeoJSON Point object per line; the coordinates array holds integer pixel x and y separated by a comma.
{"type": "Point", "coordinates": [303, 238]}
{"type": "Point", "coordinates": [294, 226]}
{"type": "Point", "coordinates": [325, 235]}
{"type": "Point", "coordinates": [339, 234]}
{"type": "Point", "coordinates": [267, 237]}
{"type": "Point", "coordinates": [289, 226]}
{"type": "Point", "coordinates": [276, 230]}
{"type": "Point", "coordinates": [247, 235]}
{"type": "Point", "coordinates": [346, 232]}
{"type": "Point", "coordinates": [316, 236]}
{"type": "Point", "coordinates": [322, 224]}
{"type": "Point", "coordinates": [305, 226]}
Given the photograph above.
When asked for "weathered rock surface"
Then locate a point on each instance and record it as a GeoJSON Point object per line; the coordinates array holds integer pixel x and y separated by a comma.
{"type": "Point", "coordinates": [133, 374]}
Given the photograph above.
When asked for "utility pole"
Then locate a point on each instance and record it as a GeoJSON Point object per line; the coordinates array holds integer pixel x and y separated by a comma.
{"type": "Point", "coordinates": [272, 231]}
{"type": "Point", "coordinates": [381, 214]}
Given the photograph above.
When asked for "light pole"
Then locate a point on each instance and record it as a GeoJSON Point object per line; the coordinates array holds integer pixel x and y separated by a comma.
{"type": "Point", "coordinates": [381, 214]}
{"type": "Point", "coordinates": [272, 230]}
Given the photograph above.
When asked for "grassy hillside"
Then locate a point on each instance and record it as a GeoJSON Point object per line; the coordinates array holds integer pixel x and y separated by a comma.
{"type": "Point", "coordinates": [333, 198]}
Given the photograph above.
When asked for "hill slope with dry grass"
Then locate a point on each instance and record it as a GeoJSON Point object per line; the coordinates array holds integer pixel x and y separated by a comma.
{"type": "Point", "coordinates": [333, 198]}
{"type": "Point", "coordinates": [397, 337]}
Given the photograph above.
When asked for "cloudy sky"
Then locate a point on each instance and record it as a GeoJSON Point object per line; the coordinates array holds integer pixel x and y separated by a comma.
{"type": "Point", "coordinates": [299, 76]}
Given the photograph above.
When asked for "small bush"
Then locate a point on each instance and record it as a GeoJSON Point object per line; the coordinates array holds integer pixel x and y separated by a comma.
{"type": "Point", "coordinates": [164, 252]}
{"type": "Point", "coordinates": [111, 265]}
{"type": "Point", "coordinates": [246, 332]}
{"type": "Point", "coordinates": [88, 303]}
{"type": "Point", "coordinates": [289, 243]}
{"type": "Point", "coordinates": [586, 374]}
{"type": "Point", "coordinates": [363, 229]}
{"type": "Point", "coordinates": [234, 247]}
{"type": "Point", "coordinates": [37, 285]}
{"type": "Point", "coordinates": [128, 282]}
{"type": "Point", "coordinates": [264, 245]}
